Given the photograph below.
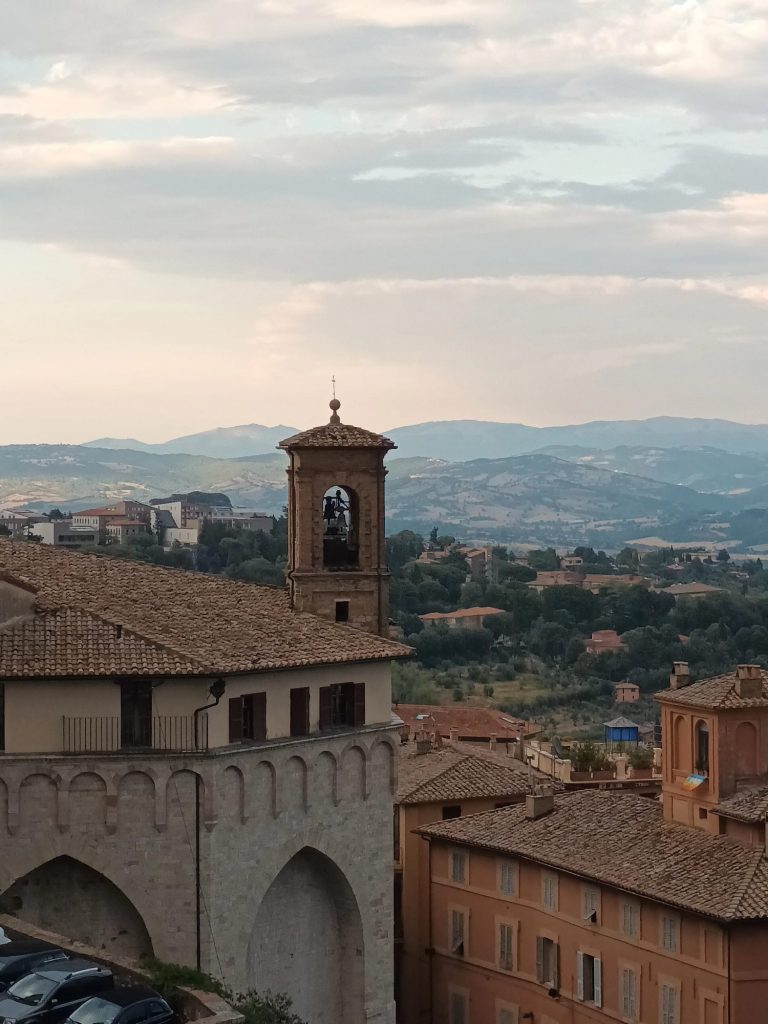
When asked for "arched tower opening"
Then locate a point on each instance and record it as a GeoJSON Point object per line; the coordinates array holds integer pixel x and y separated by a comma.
{"type": "Point", "coordinates": [66, 896]}
{"type": "Point", "coordinates": [341, 528]}
{"type": "Point", "coordinates": [307, 942]}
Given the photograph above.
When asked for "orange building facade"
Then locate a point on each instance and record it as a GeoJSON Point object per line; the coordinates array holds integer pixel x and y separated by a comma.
{"type": "Point", "coordinates": [601, 906]}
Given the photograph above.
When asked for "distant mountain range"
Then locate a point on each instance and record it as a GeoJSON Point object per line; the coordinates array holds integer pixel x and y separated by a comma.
{"type": "Point", "coordinates": [464, 440]}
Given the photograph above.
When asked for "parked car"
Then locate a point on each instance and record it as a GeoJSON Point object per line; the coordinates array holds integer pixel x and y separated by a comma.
{"type": "Point", "coordinates": [124, 1005]}
{"type": "Point", "coordinates": [54, 991]}
{"type": "Point", "coordinates": [18, 958]}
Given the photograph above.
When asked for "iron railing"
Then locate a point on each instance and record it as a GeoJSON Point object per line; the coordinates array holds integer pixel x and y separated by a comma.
{"type": "Point", "coordinates": [108, 734]}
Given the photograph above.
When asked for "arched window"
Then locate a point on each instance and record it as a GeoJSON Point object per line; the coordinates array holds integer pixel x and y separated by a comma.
{"type": "Point", "coordinates": [701, 734]}
{"type": "Point", "coordinates": [678, 743]}
{"type": "Point", "coordinates": [340, 528]}
{"type": "Point", "coordinates": [746, 750]}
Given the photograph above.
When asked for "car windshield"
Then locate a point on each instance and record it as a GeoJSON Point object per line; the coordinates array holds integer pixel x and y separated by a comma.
{"type": "Point", "coordinates": [32, 989]}
{"type": "Point", "coordinates": [95, 1011]}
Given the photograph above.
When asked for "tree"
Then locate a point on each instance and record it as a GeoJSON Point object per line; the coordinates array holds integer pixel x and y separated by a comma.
{"type": "Point", "coordinates": [403, 547]}
{"type": "Point", "coordinates": [723, 556]}
{"type": "Point", "coordinates": [545, 560]}
{"type": "Point", "coordinates": [4, 531]}
{"type": "Point", "coordinates": [56, 513]}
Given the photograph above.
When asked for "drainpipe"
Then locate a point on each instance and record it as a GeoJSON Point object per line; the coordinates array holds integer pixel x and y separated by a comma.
{"type": "Point", "coordinates": [215, 690]}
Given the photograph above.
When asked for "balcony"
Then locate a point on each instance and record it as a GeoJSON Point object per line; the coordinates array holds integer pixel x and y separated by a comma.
{"type": "Point", "coordinates": [111, 734]}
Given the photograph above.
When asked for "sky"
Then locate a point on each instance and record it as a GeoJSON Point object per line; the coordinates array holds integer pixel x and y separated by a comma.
{"type": "Point", "coordinates": [541, 212]}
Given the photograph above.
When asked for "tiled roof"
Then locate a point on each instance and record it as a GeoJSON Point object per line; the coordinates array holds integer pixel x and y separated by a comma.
{"type": "Point", "coordinates": [454, 773]}
{"type": "Point", "coordinates": [621, 840]}
{"type": "Point", "coordinates": [681, 589]}
{"type": "Point", "coordinates": [337, 435]}
{"type": "Point", "coordinates": [470, 723]}
{"type": "Point", "coordinates": [215, 624]}
{"type": "Point", "coordinates": [747, 805]}
{"type": "Point", "coordinates": [462, 613]}
{"type": "Point", "coordinates": [715, 692]}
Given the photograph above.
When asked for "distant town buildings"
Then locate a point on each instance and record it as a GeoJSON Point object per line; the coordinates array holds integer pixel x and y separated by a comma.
{"type": "Point", "coordinates": [460, 722]}
{"type": "Point", "coordinates": [626, 692]}
{"type": "Point", "coordinates": [603, 640]}
{"type": "Point", "coordinates": [464, 618]}
{"type": "Point", "coordinates": [691, 590]}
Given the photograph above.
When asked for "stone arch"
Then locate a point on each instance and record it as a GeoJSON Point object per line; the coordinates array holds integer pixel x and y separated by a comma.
{"type": "Point", "coordinates": [65, 895]}
{"type": "Point", "coordinates": [233, 793]}
{"type": "Point", "coordinates": [39, 800]}
{"type": "Point", "coordinates": [340, 514]}
{"type": "Point", "coordinates": [262, 790]}
{"type": "Point", "coordinates": [307, 941]}
{"type": "Point", "coordinates": [354, 773]}
{"type": "Point", "coordinates": [746, 750]}
{"type": "Point", "coordinates": [137, 801]}
{"type": "Point", "coordinates": [382, 767]}
{"type": "Point", "coordinates": [325, 774]}
{"type": "Point", "coordinates": [87, 793]}
{"type": "Point", "coordinates": [293, 784]}
{"type": "Point", "coordinates": [701, 752]}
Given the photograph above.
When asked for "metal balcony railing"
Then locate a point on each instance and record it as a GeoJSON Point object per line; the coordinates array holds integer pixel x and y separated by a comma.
{"type": "Point", "coordinates": [109, 734]}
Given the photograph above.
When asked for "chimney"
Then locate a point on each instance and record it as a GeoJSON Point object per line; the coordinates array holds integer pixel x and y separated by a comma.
{"type": "Point", "coordinates": [539, 804]}
{"type": "Point", "coordinates": [438, 739]}
{"type": "Point", "coordinates": [749, 681]}
{"type": "Point", "coordinates": [492, 743]}
{"type": "Point", "coordinates": [453, 733]}
{"type": "Point", "coordinates": [681, 675]}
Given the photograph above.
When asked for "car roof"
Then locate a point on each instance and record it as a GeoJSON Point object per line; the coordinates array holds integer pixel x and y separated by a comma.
{"type": "Point", "coordinates": [60, 969]}
{"type": "Point", "coordinates": [126, 995]}
{"type": "Point", "coordinates": [21, 947]}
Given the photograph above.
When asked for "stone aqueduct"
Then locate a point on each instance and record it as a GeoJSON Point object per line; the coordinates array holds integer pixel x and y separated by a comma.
{"type": "Point", "coordinates": [306, 821]}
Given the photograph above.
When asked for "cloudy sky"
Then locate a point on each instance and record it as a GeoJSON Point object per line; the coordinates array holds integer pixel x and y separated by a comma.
{"type": "Point", "coordinates": [545, 212]}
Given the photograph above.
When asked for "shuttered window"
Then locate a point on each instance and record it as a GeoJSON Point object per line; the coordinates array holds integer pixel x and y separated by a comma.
{"type": "Point", "coordinates": [591, 904]}
{"type": "Point", "coordinates": [629, 919]}
{"type": "Point", "coordinates": [589, 979]}
{"type": "Point", "coordinates": [668, 1008]}
{"type": "Point", "coordinates": [300, 711]}
{"type": "Point", "coordinates": [508, 1016]}
{"type": "Point", "coordinates": [458, 936]}
{"type": "Point", "coordinates": [670, 933]}
{"type": "Point", "coordinates": [629, 994]}
{"type": "Point", "coordinates": [458, 867]}
{"type": "Point", "coordinates": [248, 717]}
{"type": "Point", "coordinates": [342, 704]}
{"type": "Point", "coordinates": [457, 1009]}
{"type": "Point", "coordinates": [506, 940]}
{"type": "Point", "coordinates": [507, 873]}
{"type": "Point", "coordinates": [548, 962]}
{"type": "Point", "coordinates": [549, 891]}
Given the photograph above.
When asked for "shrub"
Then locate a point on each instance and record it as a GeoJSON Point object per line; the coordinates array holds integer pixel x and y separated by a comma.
{"type": "Point", "coordinates": [641, 757]}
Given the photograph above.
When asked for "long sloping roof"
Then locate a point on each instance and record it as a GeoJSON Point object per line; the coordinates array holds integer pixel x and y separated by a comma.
{"type": "Point", "coordinates": [715, 692]}
{"type": "Point", "coordinates": [454, 773]}
{"type": "Point", "coordinates": [622, 840]}
{"type": "Point", "coordinates": [97, 615]}
{"type": "Point", "coordinates": [746, 805]}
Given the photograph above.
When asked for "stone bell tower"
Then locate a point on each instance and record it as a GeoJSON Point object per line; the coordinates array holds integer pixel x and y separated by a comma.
{"type": "Point", "coordinates": [336, 553]}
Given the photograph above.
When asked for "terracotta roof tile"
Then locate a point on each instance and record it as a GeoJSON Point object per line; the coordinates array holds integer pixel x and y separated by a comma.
{"type": "Point", "coordinates": [454, 773]}
{"type": "Point", "coordinates": [211, 622]}
{"type": "Point", "coordinates": [715, 692]}
{"type": "Point", "coordinates": [337, 435]}
{"type": "Point", "coordinates": [471, 723]}
{"type": "Point", "coordinates": [621, 840]}
{"type": "Point", "coordinates": [746, 805]}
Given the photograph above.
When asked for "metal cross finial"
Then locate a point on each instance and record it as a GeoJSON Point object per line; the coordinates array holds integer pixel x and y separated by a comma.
{"type": "Point", "coordinates": [333, 385]}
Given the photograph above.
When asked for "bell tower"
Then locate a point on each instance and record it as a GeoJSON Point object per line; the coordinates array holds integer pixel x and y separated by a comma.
{"type": "Point", "coordinates": [336, 553]}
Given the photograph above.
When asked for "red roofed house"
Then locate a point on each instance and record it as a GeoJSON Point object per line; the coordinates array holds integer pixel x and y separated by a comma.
{"type": "Point", "coordinates": [460, 722]}
{"type": "Point", "coordinates": [603, 640]}
{"type": "Point", "coordinates": [596, 906]}
{"type": "Point", "coordinates": [465, 618]}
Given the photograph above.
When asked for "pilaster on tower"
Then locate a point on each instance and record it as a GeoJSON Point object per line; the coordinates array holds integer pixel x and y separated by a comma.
{"type": "Point", "coordinates": [336, 552]}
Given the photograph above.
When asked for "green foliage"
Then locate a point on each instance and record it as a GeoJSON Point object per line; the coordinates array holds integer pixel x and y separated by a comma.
{"type": "Point", "coordinates": [412, 684]}
{"type": "Point", "coordinates": [544, 560]}
{"type": "Point", "coordinates": [4, 531]}
{"type": "Point", "coordinates": [588, 757]}
{"type": "Point", "coordinates": [459, 646]}
{"type": "Point", "coordinates": [641, 757]}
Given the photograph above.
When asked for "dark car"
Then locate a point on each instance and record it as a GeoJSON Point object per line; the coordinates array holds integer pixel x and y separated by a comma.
{"type": "Point", "coordinates": [124, 1005]}
{"type": "Point", "coordinates": [54, 991]}
{"type": "Point", "coordinates": [19, 958]}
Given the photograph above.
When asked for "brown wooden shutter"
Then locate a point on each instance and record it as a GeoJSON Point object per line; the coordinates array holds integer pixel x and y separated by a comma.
{"type": "Point", "coordinates": [358, 717]}
{"type": "Point", "coordinates": [235, 719]}
{"type": "Point", "coordinates": [300, 711]}
{"type": "Point", "coordinates": [259, 716]}
{"type": "Point", "coordinates": [326, 707]}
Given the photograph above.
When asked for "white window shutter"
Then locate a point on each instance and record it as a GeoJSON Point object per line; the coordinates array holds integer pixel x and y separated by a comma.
{"type": "Point", "coordinates": [580, 976]}
{"type": "Point", "coordinates": [598, 982]}
{"type": "Point", "coordinates": [540, 958]}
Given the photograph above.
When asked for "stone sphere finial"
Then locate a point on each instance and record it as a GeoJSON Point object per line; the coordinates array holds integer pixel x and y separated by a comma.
{"type": "Point", "coordinates": [335, 405]}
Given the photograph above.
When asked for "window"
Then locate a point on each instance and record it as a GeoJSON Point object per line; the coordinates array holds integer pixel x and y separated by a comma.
{"type": "Point", "coordinates": [342, 611]}
{"type": "Point", "coordinates": [451, 811]}
{"type": "Point", "coordinates": [630, 915]}
{"type": "Point", "coordinates": [670, 933]}
{"type": "Point", "coordinates": [507, 877]}
{"type": "Point", "coordinates": [458, 867]}
{"type": "Point", "coordinates": [457, 1008]}
{"type": "Point", "coordinates": [300, 711]}
{"type": "Point", "coordinates": [508, 1015]}
{"type": "Point", "coordinates": [506, 939]}
{"type": "Point", "coordinates": [136, 714]}
{"type": "Point", "coordinates": [342, 704]}
{"type": "Point", "coordinates": [629, 993]}
{"type": "Point", "coordinates": [248, 717]}
{"type": "Point", "coordinates": [589, 975]}
{"type": "Point", "coordinates": [136, 1014]}
{"type": "Point", "coordinates": [549, 891]}
{"type": "Point", "coordinates": [668, 1000]}
{"type": "Point", "coordinates": [702, 747]}
{"type": "Point", "coordinates": [458, 918]}
{"type": "Point", "coordinates": [548, 962]}
{"type": "Point", "coordinates": [590, 904]}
